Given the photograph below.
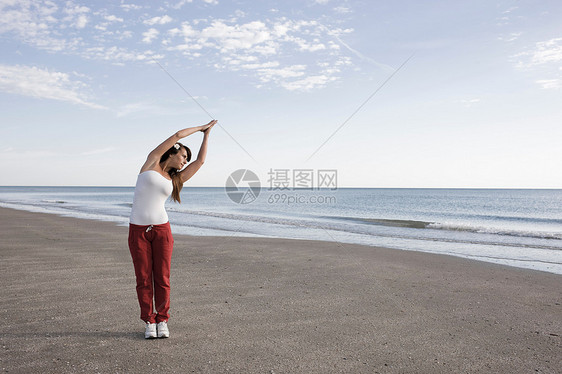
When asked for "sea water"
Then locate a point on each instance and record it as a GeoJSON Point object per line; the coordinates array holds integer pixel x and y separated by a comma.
{"type": "Point", "coordinates": [521, 228]}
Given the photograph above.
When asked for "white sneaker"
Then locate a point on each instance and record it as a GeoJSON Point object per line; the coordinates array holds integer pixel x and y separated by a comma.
{"type": "Point", "coordinates": [150, 332]}
{"type": "Point", "coordinates": [163, 331]}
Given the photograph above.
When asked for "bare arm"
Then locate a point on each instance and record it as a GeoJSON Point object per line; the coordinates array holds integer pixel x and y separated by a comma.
{"type": "Point", "coordinates": [192, 168]}
{"type": "Point", "coordinates": [153, 158]}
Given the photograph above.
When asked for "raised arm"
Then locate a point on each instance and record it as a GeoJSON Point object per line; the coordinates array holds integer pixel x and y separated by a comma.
{"type": "Point", "coordinates": [192, 168]}
{"type": "Point", "coordinates": [154, 157]}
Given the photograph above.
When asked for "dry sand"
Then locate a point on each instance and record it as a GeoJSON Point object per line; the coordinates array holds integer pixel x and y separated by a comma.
{"type": "Point", "coordinates": [266, 306]}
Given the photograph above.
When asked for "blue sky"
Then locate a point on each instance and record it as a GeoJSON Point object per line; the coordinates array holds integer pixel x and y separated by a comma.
{"type": "Point", "coordinates": [478, 105]}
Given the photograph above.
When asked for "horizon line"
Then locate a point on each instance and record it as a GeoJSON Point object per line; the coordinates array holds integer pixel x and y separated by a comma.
{"type": "Point", "coordinates": [302, 188]}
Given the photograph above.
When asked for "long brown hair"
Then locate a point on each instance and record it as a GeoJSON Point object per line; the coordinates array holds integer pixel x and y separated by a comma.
{"type": "Point", "coordinates": [174, 174]}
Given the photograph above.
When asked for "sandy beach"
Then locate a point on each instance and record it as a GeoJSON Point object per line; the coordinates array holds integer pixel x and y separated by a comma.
{"type": "Point", "coordinates": [252, 305]}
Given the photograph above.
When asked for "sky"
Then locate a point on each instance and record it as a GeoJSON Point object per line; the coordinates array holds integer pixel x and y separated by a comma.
{"type": "Point", "coordinates": [397, 94]}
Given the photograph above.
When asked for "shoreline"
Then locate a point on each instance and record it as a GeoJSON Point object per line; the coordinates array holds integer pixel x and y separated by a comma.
{"type": "Point", "coordinates": [512, 263]}
{"type": "Point", "coordinates": [262, 305]}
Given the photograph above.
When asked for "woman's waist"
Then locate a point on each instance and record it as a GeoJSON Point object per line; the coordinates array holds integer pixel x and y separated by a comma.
{"type": "Point", "coordinates": [159, 226]}
{"type": "Point", "coordinates": [145, 216]}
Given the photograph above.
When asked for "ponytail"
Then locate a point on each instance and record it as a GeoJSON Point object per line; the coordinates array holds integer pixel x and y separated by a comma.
{"type": "Point", "coordinates": [178, 185]}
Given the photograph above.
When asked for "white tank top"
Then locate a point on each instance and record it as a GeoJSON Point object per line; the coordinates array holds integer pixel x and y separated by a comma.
{"type": "Point", "coordinates": [151, 192]}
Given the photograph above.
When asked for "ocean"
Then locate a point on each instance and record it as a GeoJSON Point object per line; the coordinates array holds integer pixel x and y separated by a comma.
{"type": "Point", "coordinates": [520, 228]}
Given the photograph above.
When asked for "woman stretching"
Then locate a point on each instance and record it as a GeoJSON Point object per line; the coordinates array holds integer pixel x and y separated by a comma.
{"type": "Point", "coordinates": [150, 237]}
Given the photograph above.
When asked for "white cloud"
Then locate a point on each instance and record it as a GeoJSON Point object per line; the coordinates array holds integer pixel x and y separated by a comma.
{"type": "Point", "coordinates": [468, 102]}
{"type": "Point", "coordinates": [43, 84]}
{"type": "Point", "coordinates": [117, 55]}
{"type": "Point", "coordinates": [256, 36]}
{"type": "Point", "coordinates": [101, 27]}
{"type": "Point", "coordinates": [543, 59]}
{"type": "Point", "coordinates": [336, 35]}
{"type": "Point", "coordinates": [342, 10]}
{"type": "Point", "coordinates": [128, 7]}
{"type": "Point", "coordinates": [124, 34]}
{"type": "Point", "coordinates": [112, 18]}
{"type": "Point", "coordinates": [264, 65]}
{"type": "Point", "coordinates": [104, 35]}
{"type": "Point", "coordinates": [81, 21]}
{"type": "Point", "coordinates": [511, 10]}
{"type": "Point", "coordinates": [32, 22]}
{"type": "Point", "coordinates": [550, 84]}
{"type": "Point", "coordinates": [183, 2]}
{"type": "Point", "coordinates": [269, 74]}
{"type": "Point", "coordinates": [72, 9]}
{"type": "Point", "coordinates": [511, 37]}
{"type": "Point", "coordinates": [249, 47]}
{"type": "Point", "coordinates": [150, 35]}
{"type": "Point", "coordinates": [545, 52]}
{"type": "Point", "coordinates": [158, 20]}
{"type": "Point", "coordinates": [76, 15]}
{"type": "Point", "coordinates": [308, 83]}
{"type": "Point", "coordinates": [228, 38]}
{"type": "Point", "coordinates": [505, 18]}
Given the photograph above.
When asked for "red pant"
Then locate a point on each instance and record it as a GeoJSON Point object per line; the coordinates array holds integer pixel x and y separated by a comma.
{"type": "Point", "coordinates": [151, 249]}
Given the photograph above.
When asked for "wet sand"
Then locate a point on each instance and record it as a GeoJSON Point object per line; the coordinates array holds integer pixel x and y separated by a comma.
{"type": "Point", "coordinates": [247, 305]}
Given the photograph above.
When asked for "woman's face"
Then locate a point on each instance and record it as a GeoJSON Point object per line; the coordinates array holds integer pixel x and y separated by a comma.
{"type": "Point", "coordinates": [179, 160]}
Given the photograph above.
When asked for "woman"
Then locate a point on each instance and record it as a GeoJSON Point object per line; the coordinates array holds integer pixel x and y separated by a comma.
{"type": "Point", "coordinates": [150, 238]}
